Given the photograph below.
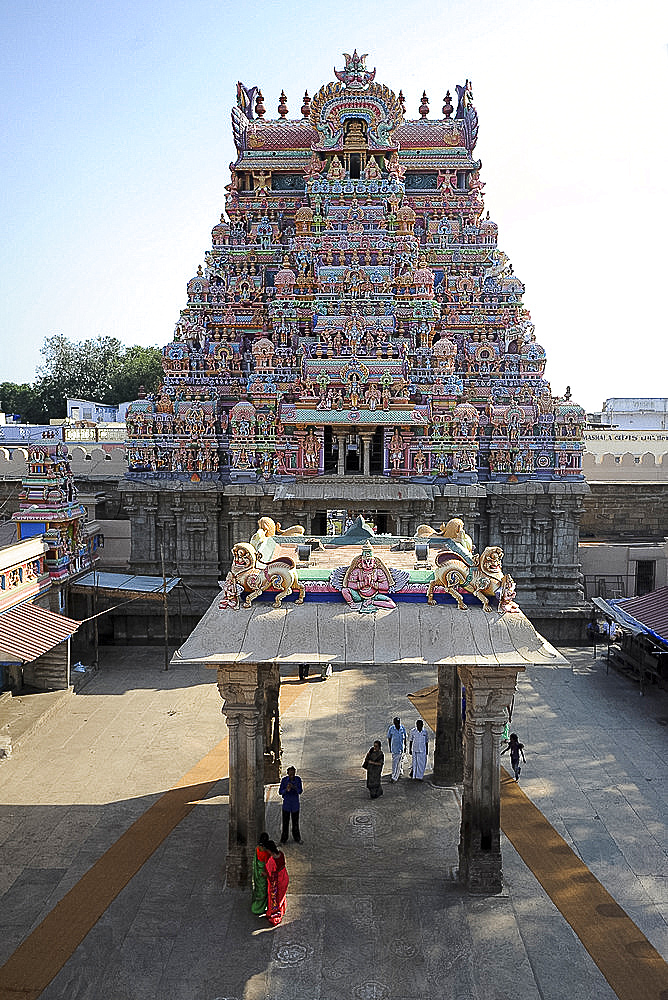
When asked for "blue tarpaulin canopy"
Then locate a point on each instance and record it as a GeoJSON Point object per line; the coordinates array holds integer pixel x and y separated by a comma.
{"type": "Point", "coordinates": [647, 615]}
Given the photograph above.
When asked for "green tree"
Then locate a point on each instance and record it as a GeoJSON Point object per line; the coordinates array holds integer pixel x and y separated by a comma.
{"type": "Point", "coordinates": [139, 366]}
{"type": "Point", "coordinates": [101, 369]}
{"type": "Point", "coordinates": [24, 400]}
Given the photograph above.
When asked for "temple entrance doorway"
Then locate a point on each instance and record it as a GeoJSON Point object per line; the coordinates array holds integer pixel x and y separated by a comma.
{"type": "Point", "coordinates": [376, 457]}
{"type": "Point", "coordinates": [352, 464]}
{"type": "Point", "coordinates": [338, 521]}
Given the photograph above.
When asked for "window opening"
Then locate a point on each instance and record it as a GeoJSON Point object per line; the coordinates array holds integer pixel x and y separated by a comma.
{"type": "Point", "coordinates": [645, 573]}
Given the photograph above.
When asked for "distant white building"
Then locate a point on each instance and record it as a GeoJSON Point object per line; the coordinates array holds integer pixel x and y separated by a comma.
{"type": "Point", "coordinates": [85, 409]}
{"type": "Point", "coordinates": [633, 413]}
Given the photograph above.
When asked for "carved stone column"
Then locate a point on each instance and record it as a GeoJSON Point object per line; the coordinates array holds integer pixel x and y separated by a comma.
{"type": "Point", "coordinates": [243, 688]}
{"type": "Point", "coordinates": [366, 453]}
{"type": "Point", "coordinates": [341, 469]}
{"type": "Point", "coordinates": [489, 692]}
{"type": "Point", "coordinates": [448, 751]}
{"type": "Point", "coordinates": [271, 732]}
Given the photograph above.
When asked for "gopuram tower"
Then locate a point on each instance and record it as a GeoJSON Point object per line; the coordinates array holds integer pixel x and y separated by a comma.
{"type": "Point", "coordinates": [355, 339]}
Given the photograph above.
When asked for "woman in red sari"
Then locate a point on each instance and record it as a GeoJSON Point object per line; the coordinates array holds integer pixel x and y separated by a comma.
{"type": "Point", "coordinates": [277, 883]}
{"type": "Point", "coordinates": [259, 876]}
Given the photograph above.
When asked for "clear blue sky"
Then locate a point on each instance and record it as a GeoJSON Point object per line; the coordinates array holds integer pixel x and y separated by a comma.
{"type": "Point", "coordinates": [117, 142]}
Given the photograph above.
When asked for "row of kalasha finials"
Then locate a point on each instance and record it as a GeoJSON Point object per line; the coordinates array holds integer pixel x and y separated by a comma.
{"type": "Point", "coordinates": [261, 111]}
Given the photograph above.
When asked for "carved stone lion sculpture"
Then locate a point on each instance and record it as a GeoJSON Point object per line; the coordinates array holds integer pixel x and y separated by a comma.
{"type": "Point", "coordinates": [483, 578]}
{"type": "Point", "coordinates": [253, 579]}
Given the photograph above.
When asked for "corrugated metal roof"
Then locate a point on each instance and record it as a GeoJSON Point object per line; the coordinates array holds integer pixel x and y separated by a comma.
{"type": "Point", "coordinates": [651, 610]}
{"type": "Point", "coordinates": [125, 582]}
{"type": "Point", "coordinates": [27, 631]}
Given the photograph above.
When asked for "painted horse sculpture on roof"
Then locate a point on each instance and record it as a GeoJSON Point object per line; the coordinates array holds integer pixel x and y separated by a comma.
{"type": "Point", "coordinates": [248, 575]}
{"type": "Point", "coordinates": [481, 576]}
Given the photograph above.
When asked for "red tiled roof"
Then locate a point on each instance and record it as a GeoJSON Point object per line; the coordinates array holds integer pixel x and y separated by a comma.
{"type": "Point", "coordinates": [27, 631]}
{"type": "Point", "coordinates": [428, 134]}
{"type": "Point", "coordinates": [281, 135]}
{"type": "Point", "coordinates": [651, 610]}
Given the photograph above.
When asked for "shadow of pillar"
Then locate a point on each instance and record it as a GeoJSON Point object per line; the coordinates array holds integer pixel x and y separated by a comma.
{"type": "Point", "coordinates": [246, 689]}
{"type": "Point", "coordinates": [448, 752]}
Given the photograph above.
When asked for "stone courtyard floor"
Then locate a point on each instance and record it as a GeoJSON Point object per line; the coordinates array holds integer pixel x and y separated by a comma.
{"type": "Point", "coordinates": [113, 837]}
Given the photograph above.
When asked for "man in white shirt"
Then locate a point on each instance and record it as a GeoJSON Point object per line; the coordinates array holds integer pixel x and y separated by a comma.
{"type": "Point", "coordinates": [418, 747]}
{"type": "Point", "coordinates": [396, 739]}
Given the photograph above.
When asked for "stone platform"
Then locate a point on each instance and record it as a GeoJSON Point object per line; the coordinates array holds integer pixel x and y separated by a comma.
{"type": "Point", "coordinates": [373, 911]}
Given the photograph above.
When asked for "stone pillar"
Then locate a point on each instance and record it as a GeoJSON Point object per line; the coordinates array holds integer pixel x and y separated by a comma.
{"type": "Point", "coordinates": [366, 453]}
{"type": "Point", "coordinates": [448, 751]}
{"type": "Point", "coordinates": [341, 438]}
{"type": "Point", "coordinates": [243, 688]}
{"type": "Point", "coordinates": [489, 691]}
{"type": "Point", "coordinates": [271, 732]}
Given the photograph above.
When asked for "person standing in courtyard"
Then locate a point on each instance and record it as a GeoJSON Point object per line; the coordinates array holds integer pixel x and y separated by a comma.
{"type": "Point", "coordinates": [277, 883]}
{"type": "Point", "coordinates": [373, 765]}
{"type": "Point", "coordinates": [290, 789]}
{"type": "Point", "coordinates": [516, 748]}
{"type": "Point", "coordinates": [418, 747]}
{"type": "Point", "coordinates": [259, 876]}
{"type": "Point", "coordinates": [396, 739]}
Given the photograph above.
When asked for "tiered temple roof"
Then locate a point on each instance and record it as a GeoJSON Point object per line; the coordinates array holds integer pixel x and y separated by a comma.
{"type": "Point", "coordinates": [49, 506]}
{"type": "Point", "coordinates": [354, 314]}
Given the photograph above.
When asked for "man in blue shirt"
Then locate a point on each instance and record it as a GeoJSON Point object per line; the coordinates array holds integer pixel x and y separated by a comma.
{"type": "Point", "coordinates": [396, 738]}
{"type": "Point", "coordinates": [290, 789]}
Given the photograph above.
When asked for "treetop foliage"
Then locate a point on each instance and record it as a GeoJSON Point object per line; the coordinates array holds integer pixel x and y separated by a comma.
{"type": "Point", "coordinates": [100, 369]}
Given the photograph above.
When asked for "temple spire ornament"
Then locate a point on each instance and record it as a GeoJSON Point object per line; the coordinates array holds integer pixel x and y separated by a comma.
{"type": "Point", "coordinates": [354, 75]}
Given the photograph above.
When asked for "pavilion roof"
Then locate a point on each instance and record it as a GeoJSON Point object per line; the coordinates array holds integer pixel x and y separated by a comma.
{"type": "Point", "coordinates": [409, 636]}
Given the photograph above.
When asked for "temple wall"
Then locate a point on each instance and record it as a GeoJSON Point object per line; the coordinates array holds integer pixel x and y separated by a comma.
{"type": "Point", "coordinates": [626, 510]}
{"type": "Point", "coordinates": [536, 524]}
{"type": "Point", "coordinates": [625, 466]}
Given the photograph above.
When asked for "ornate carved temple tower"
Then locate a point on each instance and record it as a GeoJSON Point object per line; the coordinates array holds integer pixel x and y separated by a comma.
{"type": "Point", "coordinates": [356, 339]}
{"type": "Point", "coordinates": [49, 507]}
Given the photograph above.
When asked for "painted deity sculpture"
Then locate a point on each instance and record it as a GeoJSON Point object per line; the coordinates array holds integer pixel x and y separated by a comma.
{"type": "Point", "coordinates": [366, 584]}
{"type": "Point", "coordinates": [481, 576]}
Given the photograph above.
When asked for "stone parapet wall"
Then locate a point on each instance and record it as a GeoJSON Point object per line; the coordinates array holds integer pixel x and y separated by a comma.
{"type": "Point", "coordinates": [626, 510]}
{"type": "Point", "coordinates": [84, 461]}
{"type": "Point", "coordinates": [615, 468]}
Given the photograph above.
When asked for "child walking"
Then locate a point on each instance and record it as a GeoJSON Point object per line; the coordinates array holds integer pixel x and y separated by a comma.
{"type": "Point", "coordinates": [516, 748]}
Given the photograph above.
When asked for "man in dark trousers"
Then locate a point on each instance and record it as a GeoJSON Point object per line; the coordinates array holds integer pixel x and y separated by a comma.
{"type": "Point", "coordinates": [291, 788]}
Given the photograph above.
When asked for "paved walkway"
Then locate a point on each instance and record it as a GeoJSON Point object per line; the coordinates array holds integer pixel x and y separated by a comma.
{"type": "Point", "coordinates": [373, 910]}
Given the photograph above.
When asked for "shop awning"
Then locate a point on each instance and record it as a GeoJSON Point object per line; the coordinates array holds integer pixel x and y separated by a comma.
{"type": "Point", "coordinates": [651, 610]}
{"type": "Point", "coordinates": [27, 631]}
{"type": "Point", "coordinates": [617, 611]}
{"type": "Point", "coordinates": [117, 584]}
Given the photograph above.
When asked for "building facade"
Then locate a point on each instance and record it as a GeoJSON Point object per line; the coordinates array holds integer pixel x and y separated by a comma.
{"type": "Point", "coordinates": [633, 413]}
{"type": "Point", "coordinates": [356, 339]}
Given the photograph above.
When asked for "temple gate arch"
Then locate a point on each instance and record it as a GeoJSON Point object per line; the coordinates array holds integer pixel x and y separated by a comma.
{"type": "Point", "coordinates": [484, 651]}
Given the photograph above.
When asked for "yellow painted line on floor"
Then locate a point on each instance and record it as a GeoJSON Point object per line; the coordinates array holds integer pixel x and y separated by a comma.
{"type": "Point", "coordinates": [626, 958]}
{"type": "Point", "coordinates": [631, 965]}
{"type": "Point", "coordinates": [36, 961]}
